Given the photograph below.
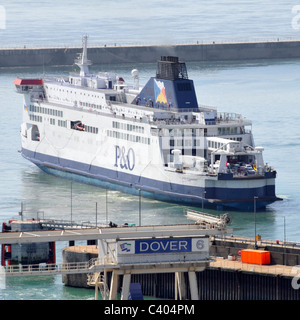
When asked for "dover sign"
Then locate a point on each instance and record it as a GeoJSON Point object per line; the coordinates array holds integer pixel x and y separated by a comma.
{"type": "Point", "coordinates": [155, 250]}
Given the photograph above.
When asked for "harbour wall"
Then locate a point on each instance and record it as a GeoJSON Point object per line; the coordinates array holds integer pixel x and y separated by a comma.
{"type": "Point", "coordinates": [219, 284]}
{"type": "Point", "coordinates": [25, 57]}
{"type": "Point", "coordinates": [78, 254]}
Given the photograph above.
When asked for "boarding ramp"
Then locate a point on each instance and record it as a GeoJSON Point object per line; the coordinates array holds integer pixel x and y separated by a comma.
{"type": "Point", "coordinates": [209, 221]}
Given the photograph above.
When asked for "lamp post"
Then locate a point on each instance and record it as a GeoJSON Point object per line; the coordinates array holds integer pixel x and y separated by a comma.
{"type": "Point", "coordinates": [106, 210]}
{"type": "Point", "coordinates": [255, 244]}
{"type": "Point", "coordinates": [140, 208]}
{"type": "Point", "coordinates": [96, 213]}
{"type": "Point", "coordinates": [284, 240]}
{"type": "Point", "coordinates": [203, 196]}
{"type": "Point", "coordinates": [71, 204]}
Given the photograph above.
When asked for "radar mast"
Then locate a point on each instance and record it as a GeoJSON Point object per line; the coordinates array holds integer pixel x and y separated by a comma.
{"type": "Point", "coordinates": [82, 60]}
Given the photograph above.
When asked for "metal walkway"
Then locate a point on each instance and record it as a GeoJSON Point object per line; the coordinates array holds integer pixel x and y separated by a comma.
{"type": "Point", "coordinates": [66, 224]}
{"type": "Point", "coordinates": [47, 269]}
{"type": "Point", "coordinates": [91, 266]}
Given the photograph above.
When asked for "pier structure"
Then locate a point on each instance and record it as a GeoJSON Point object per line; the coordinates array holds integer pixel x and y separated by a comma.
{"type": "Point", "coordinates": [112, 262]}
{"type": "Point", "coordinates": [146, 255]}
{"type": "Point", "coordinates": [129, 250]}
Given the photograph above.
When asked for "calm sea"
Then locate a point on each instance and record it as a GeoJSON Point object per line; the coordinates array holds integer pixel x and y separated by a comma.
{"type": "Point", "coordinates": [265, 91]}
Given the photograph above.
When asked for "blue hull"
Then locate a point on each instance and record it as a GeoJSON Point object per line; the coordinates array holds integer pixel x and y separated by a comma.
{"type": "Point", "coordinates": [219, 198]}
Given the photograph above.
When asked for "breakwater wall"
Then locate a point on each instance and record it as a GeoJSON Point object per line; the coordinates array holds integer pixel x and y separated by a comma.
{"type": "Point", "coordinates": [151, 53]}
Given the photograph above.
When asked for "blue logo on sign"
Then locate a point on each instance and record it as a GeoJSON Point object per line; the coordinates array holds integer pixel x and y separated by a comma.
{"type": "Point", "coordinates": [163, 245]}
{"type": "Point", "coordinates": [126, 160]}
{"type": "Point", "coordinates": [125, 247]}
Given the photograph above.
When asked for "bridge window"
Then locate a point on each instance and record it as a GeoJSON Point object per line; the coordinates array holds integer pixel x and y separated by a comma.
{"type": "Point", "coordinates": [185, 86]}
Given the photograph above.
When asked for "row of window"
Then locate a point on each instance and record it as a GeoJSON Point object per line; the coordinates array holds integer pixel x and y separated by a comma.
{"type": "Point", "coordinates": [184, 86]}
{"type": "Point", "coordinates": [34, 117]}
{"type": "Point", "coordinates": [59, 89]}
{"type": "Point", "coordinates": [127, 136]}
{"type": "Point", "coordinates": [185, 132]}
{"type": "Point", "coordinates": [127, 126]}
{"type": "Point", "coordinates": [90, 105]}
{"type": "Point", "coordinates": [216, 145]}
{"type": "Point", "coordinates": [186, 143]}
{"type": "Point", "coordinates": [81, 103]}
{"type": "Point", "coordinates": [62, 123]}
{"type": "Point", "coordinates": [43, 110]}
{"type": "Point", "coordinates": [227, 130]}
{"type": "Point", "coordinates": [91, 129]}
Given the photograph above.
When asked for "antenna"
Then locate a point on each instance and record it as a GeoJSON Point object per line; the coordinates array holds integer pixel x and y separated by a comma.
{"type": "Point", "coordinates": [43, 66]}
{"type": "Point", "coordinates": [136, 79]}
{"type": "Point", "coordinates": [82, 60]}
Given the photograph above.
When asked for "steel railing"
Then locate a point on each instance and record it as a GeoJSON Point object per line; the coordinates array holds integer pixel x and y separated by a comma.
{"type": "Point", "coordinates": [48, 269]}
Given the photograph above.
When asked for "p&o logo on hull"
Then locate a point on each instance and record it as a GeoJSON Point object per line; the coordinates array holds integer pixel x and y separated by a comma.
{"type": "Point", "coordinates": [126, 160]}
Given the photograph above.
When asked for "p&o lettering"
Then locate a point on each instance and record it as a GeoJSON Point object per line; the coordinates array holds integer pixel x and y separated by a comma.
{"type": "Point", "coordinates": [126, 160]}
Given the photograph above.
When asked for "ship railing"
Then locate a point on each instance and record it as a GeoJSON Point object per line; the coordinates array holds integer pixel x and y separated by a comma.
{"type": "Point", "coordinates": [170, 108]}
{"type": "Point", "coordinates": [101, 261]}
{"type": "Point", "coordinates": [261, 242]}
{"type": "Point", "coordinates": [172, 122]}
{"type": "Point", "coordinates": [67, 224]}
{"type": "Point", "coordinates": [228, 117]}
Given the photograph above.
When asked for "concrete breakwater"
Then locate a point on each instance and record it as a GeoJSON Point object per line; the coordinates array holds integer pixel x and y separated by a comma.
{"type": "Point", "coordinates": [150, 53]}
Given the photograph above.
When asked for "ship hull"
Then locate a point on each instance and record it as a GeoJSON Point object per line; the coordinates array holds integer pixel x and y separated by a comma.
{"type": "Point", "coordinates": [218, 197]}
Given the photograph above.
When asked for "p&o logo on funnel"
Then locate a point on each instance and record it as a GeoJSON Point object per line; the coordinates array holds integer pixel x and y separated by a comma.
{"type": "Point", "coordinates": [160, 92]}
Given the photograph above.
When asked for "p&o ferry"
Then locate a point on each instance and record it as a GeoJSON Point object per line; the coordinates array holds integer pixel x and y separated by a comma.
{"type": "Point", "coordinates": [155, 141]}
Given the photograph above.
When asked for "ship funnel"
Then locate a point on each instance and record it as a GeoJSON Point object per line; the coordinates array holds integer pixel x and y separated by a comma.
{"type": "Point", "coordinates": [82, 60]}
{"type": "Point", "coordinates": [169, 68]}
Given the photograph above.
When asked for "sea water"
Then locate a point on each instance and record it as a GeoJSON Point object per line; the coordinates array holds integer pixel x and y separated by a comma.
{"type": "Point", "coordinates": [119, 22]}
{"type": "Point", "coordinates": [265, 91]}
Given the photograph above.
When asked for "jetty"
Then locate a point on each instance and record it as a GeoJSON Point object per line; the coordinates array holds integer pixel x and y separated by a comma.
{"type": "Point", "coordinates": [199, 261]}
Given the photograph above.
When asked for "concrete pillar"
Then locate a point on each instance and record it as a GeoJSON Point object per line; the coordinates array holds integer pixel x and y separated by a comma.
{"type": "Point", "coordinates": [126, 285]}
{"type": "Point", "coordinates": [176, 285]}
{"type": "Point", "coordinates": [114, 286]}
{"type": "Point", "coordinates": [102, 249]}
{"type": "Point", "coordinates": [96, 291]}
{"type": "Point", "coordinates": [193, 285]}
{"type": "Point", "coordinates": [105, 284]}
{"type": "Point", "coordinates": [180, 287]}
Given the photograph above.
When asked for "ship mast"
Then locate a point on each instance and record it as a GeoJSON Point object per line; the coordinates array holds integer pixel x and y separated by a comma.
{"type": "Point", "coordinates": [82, 60]}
